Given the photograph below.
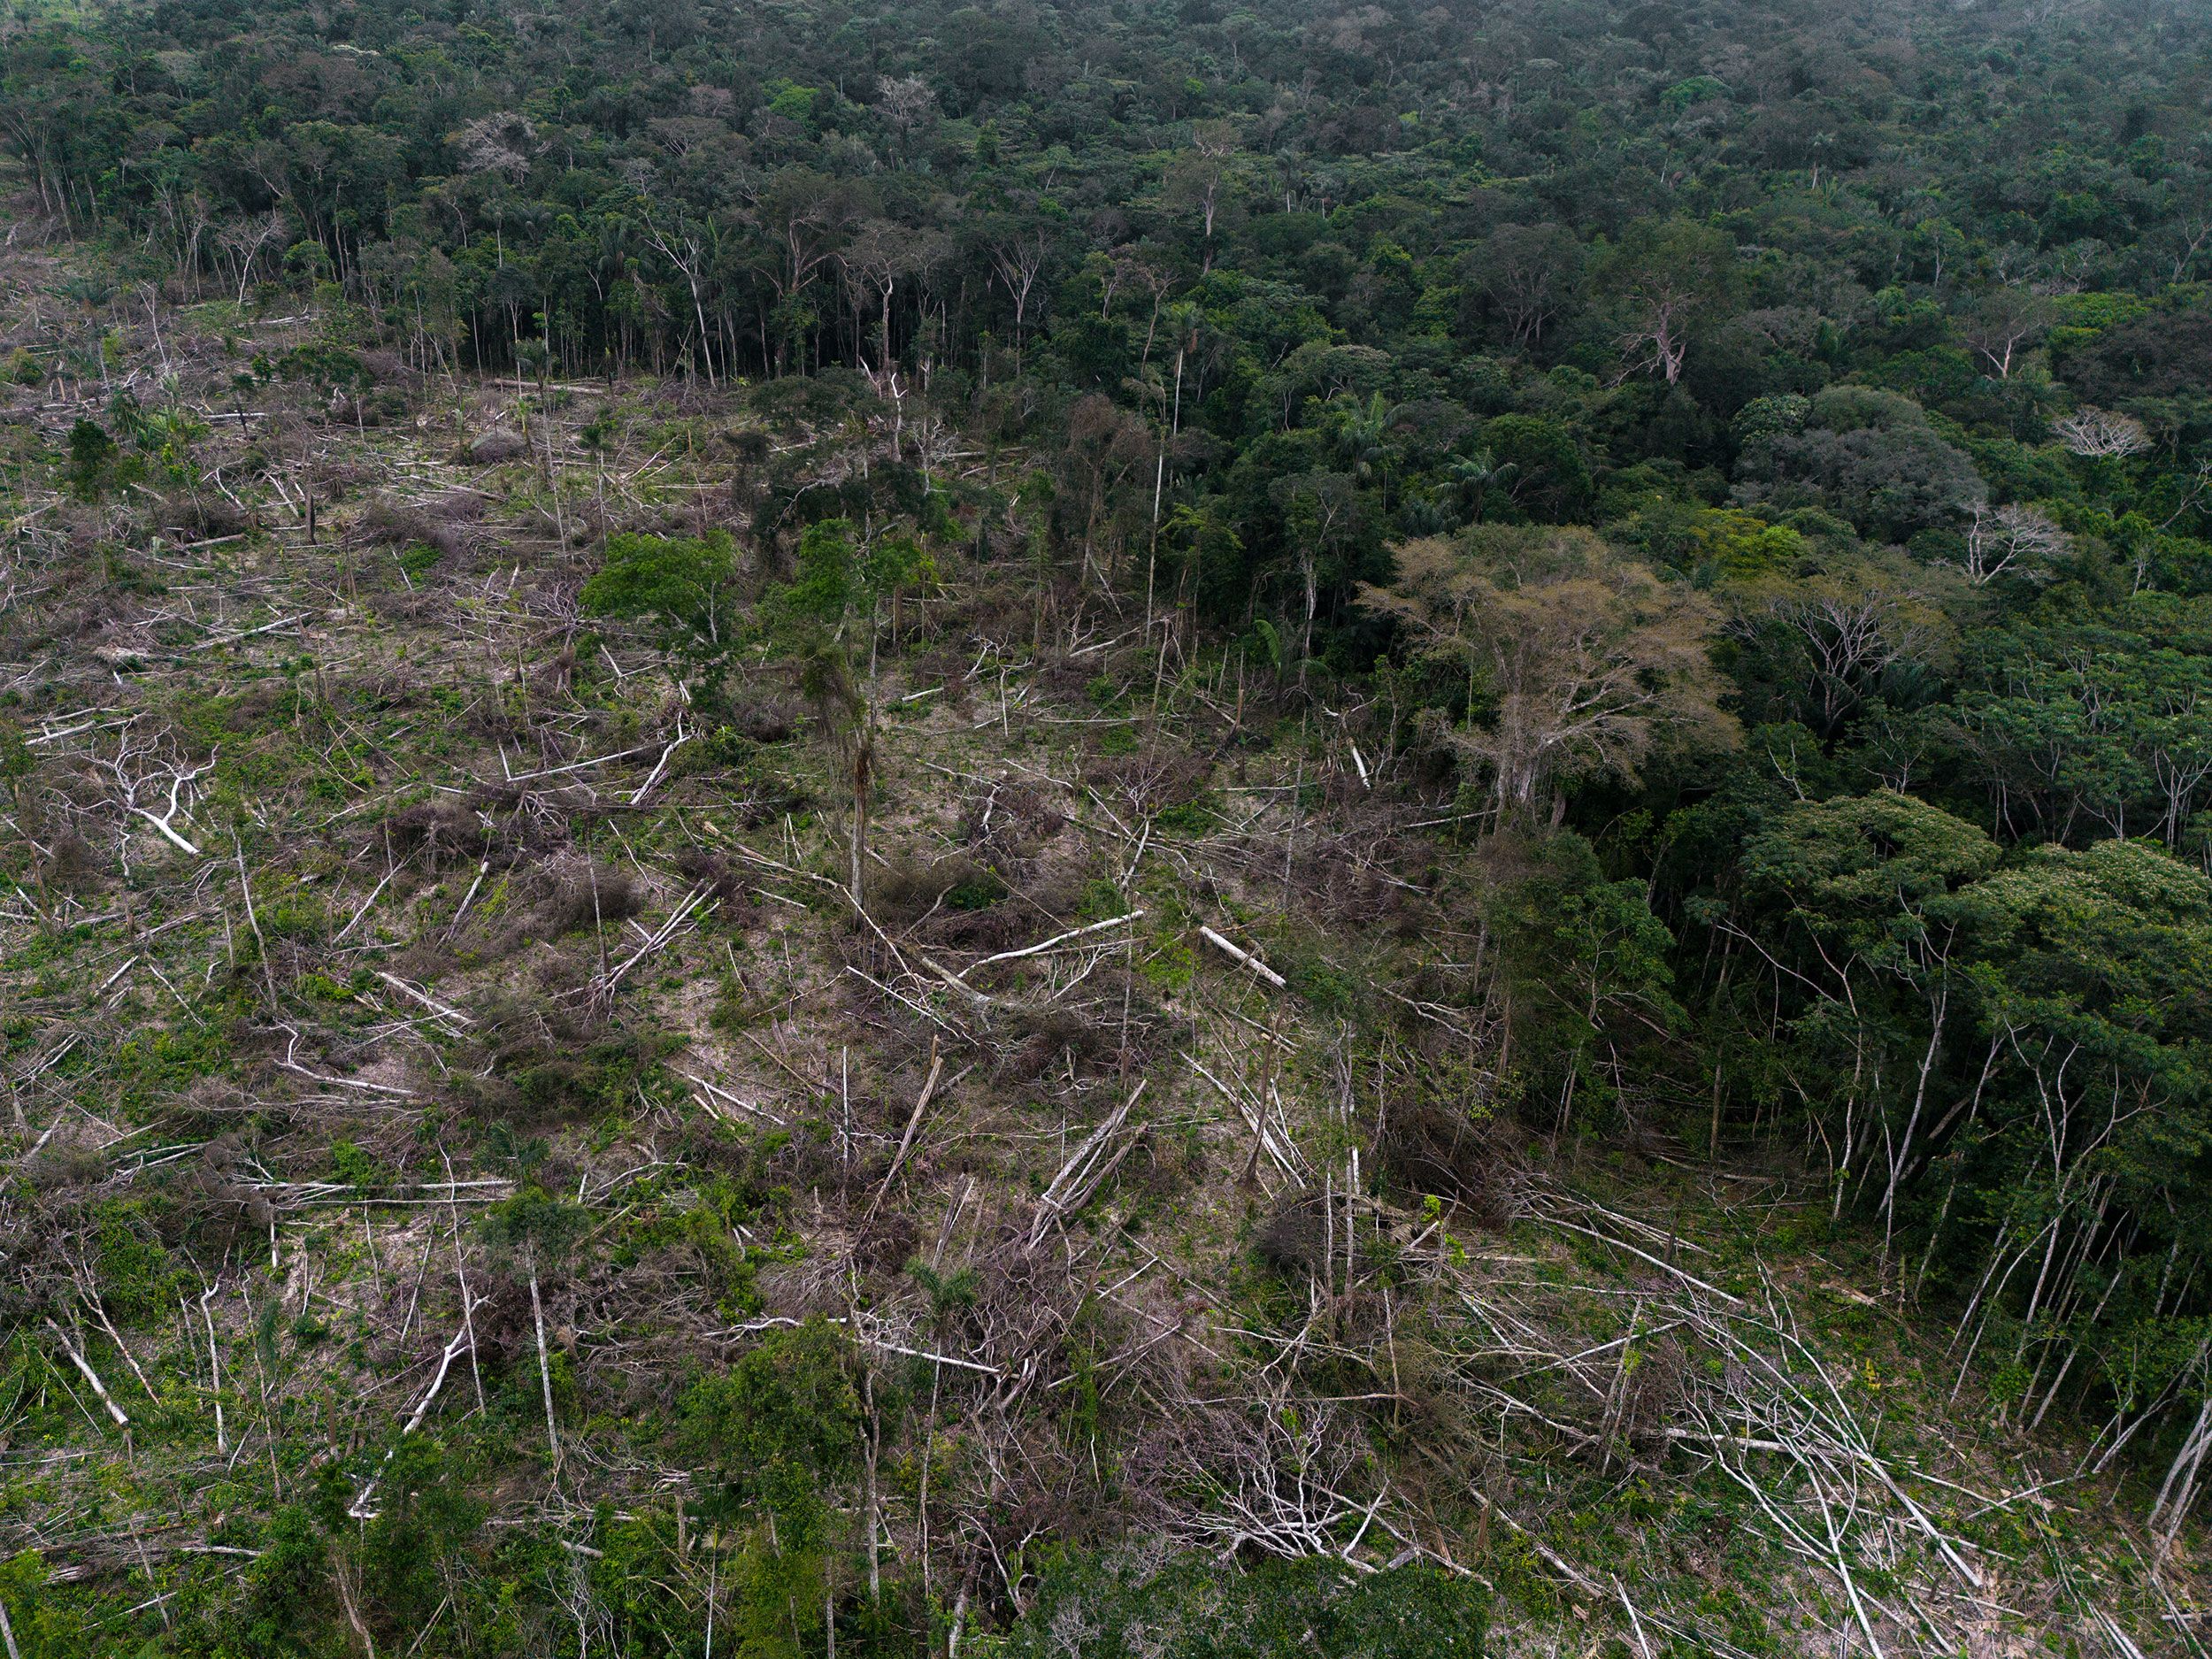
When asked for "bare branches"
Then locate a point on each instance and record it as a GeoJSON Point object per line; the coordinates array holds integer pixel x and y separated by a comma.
{"type": "Point", "coordinates": [359, 1509]}
{"type": "Point", "coordinates": [2099, 434]}
{"type": "Point", "coordinates": [84, 1367]}
{"type": "Point", "coordinates": [603, 988]}
{"type": "Point", "coordinates": [2014, 541]}
{"type": "Point", "coordinates": [1055, 941]}
{"type": "Point", "coordinates": [1268, 1136]}
{"type": "Point", "coordinates": [1276, 1487]}
{"type": "Point", "coordinates": [451, 1016]}
{"type": "Point", "coordinates": [545, 1369]}
{"type": "Point", "coordinates": [913, 1122]}
{"type": "Point", "coordinates": [1084, 1171]}
{"type": "Point", "coordinates": [1245, 957]}
{"type": "Point", "coordinates": [1645, 1256]}
{"type": "Point", "coordinates": [145, 767]}
{"type": "Point", "coordinates": [660, 766]}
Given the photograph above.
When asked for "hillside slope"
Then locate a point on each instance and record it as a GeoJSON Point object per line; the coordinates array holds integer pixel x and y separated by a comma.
{"type": "Point", "coordinates": [478, 1181]}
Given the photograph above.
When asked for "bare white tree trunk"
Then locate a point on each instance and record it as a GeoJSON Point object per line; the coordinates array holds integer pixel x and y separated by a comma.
{"type": "Point", "coordinates": [545, 1370]}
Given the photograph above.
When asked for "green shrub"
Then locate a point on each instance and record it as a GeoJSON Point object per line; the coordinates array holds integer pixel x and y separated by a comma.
{"type": "Point", "coordinates": [1192, 1608]}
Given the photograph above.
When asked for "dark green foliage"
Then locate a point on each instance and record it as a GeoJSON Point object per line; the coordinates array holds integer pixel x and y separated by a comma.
{"type": "Point", "coordinates": [1591, 983]}
{"type": "Point", "coordinates": [1870, 457]}
{"type": "Point", "coordinates": [536, 1221]}
{"type": "Point", "coordinates": [139, 1278]}
{"type": "Point", "coordinates": [2095, 727]}
{"type": "Point", "coordinates": [779, 1427]}
{"type": "Point", "coordinates": [1536, 466]}
{"type": "Point", "coordinates": [92, 459]}
{"type": "Point", "coordinates": [45, 1624]}
{"type": "Point", "coordinates": [427, 1516]}
{"type": "Point", "coordinates": [330, 370]}
{"type": "Point", "coordinates": [780, 1432]}
{"type": "Point", "coordinates": [287, 1600]}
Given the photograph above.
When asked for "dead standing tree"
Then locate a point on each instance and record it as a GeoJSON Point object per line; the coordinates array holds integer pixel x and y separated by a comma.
{"type": "Point", "coordinates": [1018, 259]}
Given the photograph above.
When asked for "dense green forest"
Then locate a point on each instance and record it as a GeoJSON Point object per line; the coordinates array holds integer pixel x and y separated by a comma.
{"type": "Point", "coordinates": [1103, 830]}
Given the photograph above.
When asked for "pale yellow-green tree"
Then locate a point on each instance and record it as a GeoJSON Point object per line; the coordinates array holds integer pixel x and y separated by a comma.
{"type": "Point", "coordinates": [1579, 660]}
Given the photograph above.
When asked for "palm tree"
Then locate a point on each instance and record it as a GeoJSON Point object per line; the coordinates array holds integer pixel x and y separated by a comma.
{"type": "Point", "coordinates": [1474, 476]}
{"type": "Point", "coordinates": [949, 1294]}
{"type": "Point", "coordinates": [1360, 434]}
